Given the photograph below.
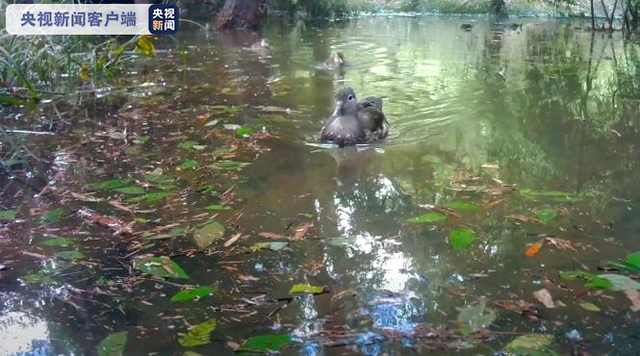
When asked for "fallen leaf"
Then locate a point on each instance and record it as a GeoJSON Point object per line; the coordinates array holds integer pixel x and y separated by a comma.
{"type": "Point", "coordinates": [634, 297]}
{"type": "Point", "coordinates": [534, 248]}
{"type": "Point", "coordinates": [544, 297]}
{"type": "Point", "coordinates": [233, 239]}
{"type": "Point", "coordinates": [590, 306]}
{"type": "Point", "coordinates": [306, 288]}
{"type": "Point", "coordinates": [560, 243]}
{"type": "Point", "coordinates": [302, 230]}
{"type": "Point", "coordinates": [272, 235]}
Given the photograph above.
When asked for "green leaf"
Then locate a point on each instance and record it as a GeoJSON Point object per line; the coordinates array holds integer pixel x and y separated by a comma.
{"type": "Point", "coordinates": [207, 234]}
{"type": "Point", "coordinates": [109, 184]}
{"type": "Point", "coordinates": [193, 293]}
{"type": "Point", "coordinates": [54, 215]}
{"type": "Point", "coordinates": [531, 344]}
{"type": "Point", "coordinates": [231, 165]}
{"type": "Point", "coordinates": [461, 238]}
{"type": "Point", "coordinates": [187, 145]}
{"type": "Point", "coordinates": [150, 197]}
{"type": "Point", "coordinates": [41, 278]}
{"type": "Point", "coordinates": [273, 342]}
{"type": "Point", "coordinates": [620, 282]}
{"type": "Point", "coordinates": [70, 255]}
{"type": "Point", "coordinates": [59, 241]}
{"type": "Point", "coordinates": [188, 164]}
{"type": "Point", "coordinates": [8, 214]}
{"type": "Point", "coordinates": [427, 218]}
{"type": "Point", "coordinates": [158, 179]}
{"type": "Point", "coordinates": [199, 335]}
{"type": "Point", "coordinates": [207, 189]}
{"type": "Point", "coordinates": [590, 306]}
{"type": "Point", "coordinates": [113, 345]}
{"type": "Point", "coordinates": [633, 259]}
{"type": "Point", "coordinates": [274, 246]}
{"type": "Point", "coordinates": [159, 266]}
{"type": "Point", "coordinates": [306, 288]}
{"type": "Point", "coordinates": [598, 282]}
{"type": "Point", "coordinates": [475, 317]}
{"type": "Point", "coordinates": [549, 194]}
{"type": "Point", "coordinates": [244, 131]}
{"type": "Point", "coordinates": [547, 215]}
{"type": "Point", "coordinates": [130, 190]}
{"type": "Point", "coordinates": [571, 275]}
{"type": "Point", "coordinates": [217, 207]}
{"type": "Point", "coordinates": [142, 139]}
{"type": "Point", "coordinates": [462, 205]}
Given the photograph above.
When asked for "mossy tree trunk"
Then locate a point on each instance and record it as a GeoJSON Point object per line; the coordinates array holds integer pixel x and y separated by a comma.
{"type": "Point", "coordinates": [242, 14]}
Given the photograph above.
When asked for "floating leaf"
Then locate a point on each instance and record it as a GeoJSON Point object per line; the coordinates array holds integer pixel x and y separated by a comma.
{"type": "Point", "coordinates": [274, 246]}
{"type": "Point", "coordinates": [110, 184]}
{"type": "Point", "coordinates": [191, 353]}
{"type": "Point", "coordinates": [544, 297]}
{"type": "Point", "coordinates": [8, 215]}
{"type": "Point", "coordinates": [193, 293]}
{"type": "Point", "coordinates": [159, 266]}
{"type": "Point", "coordinates": [549, 194]}
{"type": "Point", "coordinates": [59, 241]}
{"type": "Point", "coordinates": [631, 263]}
{"type": "Point", "coordinates": [113, 345]}
{"type": "Point", "coordinates": [244, 131]}
{"type": "Point", "coordinates": [427, 218]}
{"type": "Point", "coordinates": [199, 335]}
{"type": "Point", "coordinates": [531, 344]}
{"type": "Point", "coordinates": [263, 343]}
{"type": "Point", "coordinates": [54, 215]}
{"type": "Point", "coordinates": [207, 189]}
{"type": "Point", "coordinates": [620, 282]}
{"type": "Point", "coordinates": [130, 190]}
{"type": "Point", "coordinates": [142, 139]}
{"type": "Point", "coordinates": [594, 281]}
{"type": "Point", "coordinates": [231, 165]}
{"type": "Point", "coordinates": [461, 238]}
{"type": "Point", "coordinates": [634, 259]}
{"type": "Point", "coordinates": [188, 164]}
{"type": "Point", "coordinates": [547, 215]}
{"type": "Point", "coordinates": [217, 207]}
{"type": "Point", "coordinates": [306, 288]}
{"type": "Point", "coordinates": [462, 205]}
{"type": "Point", "coordinates": [590, 306]}
{"type": "Point", "coordinates": [207, 234]}
{"type": "Point", "coordinates": [534, 248]}
{"type": "Point", "coordinates": [150, 197]}
{"type": "Point", "coordinates": [475, 317]}
{"type": "Point", "coordinates": [187, 145]}
{"type": "Point", "coordinates": [70, 255]}
{"type": "Point", "coordinates": [41, 278]}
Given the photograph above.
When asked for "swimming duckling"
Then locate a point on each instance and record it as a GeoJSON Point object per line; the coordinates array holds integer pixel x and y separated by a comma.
{"type": "Point", "coordinates": [466, 26]}
{"type": "Point", "coordinates": [335, 61]}
{"type": "Point", "coordinates": [353, 123]}
{"type": "Point", "coordinates": [258, 46]}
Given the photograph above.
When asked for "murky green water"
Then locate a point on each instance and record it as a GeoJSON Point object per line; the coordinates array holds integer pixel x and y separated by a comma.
{"type": "Point", "coordinates": [546, 108]}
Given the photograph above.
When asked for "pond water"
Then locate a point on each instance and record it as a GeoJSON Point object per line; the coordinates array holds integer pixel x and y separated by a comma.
{"type": "Point", "coordinates": [502, 137]}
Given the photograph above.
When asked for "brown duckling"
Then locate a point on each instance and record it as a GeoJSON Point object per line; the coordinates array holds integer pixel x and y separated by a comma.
{"type": "Point", "coordinates": [355, 123]}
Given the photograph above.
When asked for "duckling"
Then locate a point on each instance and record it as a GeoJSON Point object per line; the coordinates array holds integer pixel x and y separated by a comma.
{"type": "Point", "coordinates": [335, 61]}
{"type": "Point", "coordinates": [466, 26]}
{"type": "Point", "coordinates": [352, 122]}
{"type": "Point", "coordinates": [259, 46]}
{"type": "Point", "coordinates": [374, 123]}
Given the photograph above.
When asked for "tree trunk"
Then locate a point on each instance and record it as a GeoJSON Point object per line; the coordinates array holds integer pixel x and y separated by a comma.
{"type": "Point", "coordinates": [242, 14]}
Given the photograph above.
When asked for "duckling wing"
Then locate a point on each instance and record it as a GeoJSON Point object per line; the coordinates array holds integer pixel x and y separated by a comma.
{"type": "Point", "coordinates": [372, 101]}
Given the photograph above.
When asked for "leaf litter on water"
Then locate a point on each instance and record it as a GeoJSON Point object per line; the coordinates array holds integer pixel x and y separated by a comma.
{"type": "Point", "coordinates": [199, 335]}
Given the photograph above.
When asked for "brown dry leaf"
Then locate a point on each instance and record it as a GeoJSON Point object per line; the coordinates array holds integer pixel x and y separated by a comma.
{"type": "Point", "coordinates": [498, 190]}
{"type": "Point", "coordinates": [272, 235]}
{"type": "Point", "coordinates": [524, 219]}
{"type": "Point", "coordinates": [634, 297]}
{"type": "Point", "coordinates": [302, 230]}
{"type": "Point", "coordinates": [561, 243]}
{"type": "Point", "coordinates": [544, 297]}
{"type": "Point", "coordinates": [233, 239]}
{"type": "Point", "coordinates": [234, 346]}
{"type": "Point", "coordinates": [85, 197]}
{"type": "Point", "coordinates": [118, 205]}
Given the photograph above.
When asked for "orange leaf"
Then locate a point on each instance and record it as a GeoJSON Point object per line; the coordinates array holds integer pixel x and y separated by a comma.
{"type": "Point", "coordinates": [534, 248]}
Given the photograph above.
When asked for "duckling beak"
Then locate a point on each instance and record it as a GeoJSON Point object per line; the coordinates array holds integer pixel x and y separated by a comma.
{"type": "Point", "coordinates": [339, 108]}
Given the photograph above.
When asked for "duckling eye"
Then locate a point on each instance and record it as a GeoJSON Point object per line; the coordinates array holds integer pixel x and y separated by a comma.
{"type": "Point", "coordinates": [350, 97]}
